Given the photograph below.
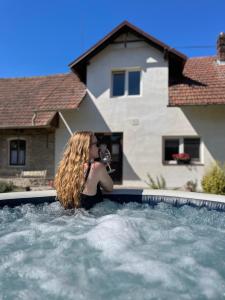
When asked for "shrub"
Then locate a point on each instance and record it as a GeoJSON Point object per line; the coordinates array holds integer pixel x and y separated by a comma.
{"type": "Point", "coordinates": [214, 179]}
{"type": "Point", "coordinates": [158, 184]}
{"type": "Point", "coordinates": [6, 186]}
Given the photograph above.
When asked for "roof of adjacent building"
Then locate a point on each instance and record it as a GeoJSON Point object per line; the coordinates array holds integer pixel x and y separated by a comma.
{"type": "Point", "coordinates": [202, 83]}
{"type": "Point", "coordinates": [34, 101]}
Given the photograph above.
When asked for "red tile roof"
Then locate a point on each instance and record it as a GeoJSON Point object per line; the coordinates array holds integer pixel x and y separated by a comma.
{"type": "Point", "coordinates": [203, 83]}
{"type": "Point", "coordinates": [21, 97]}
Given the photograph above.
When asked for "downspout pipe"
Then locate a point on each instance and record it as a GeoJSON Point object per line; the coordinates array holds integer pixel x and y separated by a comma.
{"type": "Point", "coordinates": [33, 118]}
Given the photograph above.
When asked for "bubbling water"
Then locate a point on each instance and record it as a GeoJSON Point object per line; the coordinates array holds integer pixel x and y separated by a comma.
{"type": "Point", "coordinates": [113, 251]}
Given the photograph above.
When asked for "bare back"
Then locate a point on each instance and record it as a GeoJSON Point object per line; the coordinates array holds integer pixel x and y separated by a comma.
{"type": "Point", "coordinates": [97, 174]}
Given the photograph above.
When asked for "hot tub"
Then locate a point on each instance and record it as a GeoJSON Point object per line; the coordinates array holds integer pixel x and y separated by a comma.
{"type": "Point", "coordinates": [143, 245]}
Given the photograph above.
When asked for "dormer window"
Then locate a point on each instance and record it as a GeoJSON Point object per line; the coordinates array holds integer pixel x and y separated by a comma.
{"type": "Point", "coordinates": [126, 83]}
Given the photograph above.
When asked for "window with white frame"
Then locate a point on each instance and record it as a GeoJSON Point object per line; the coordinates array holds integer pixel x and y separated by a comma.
{"type": "Point", "coordinates": [17, 152]}
{"type": "Point", "coordinates": [126, 83]}
{"type": "Point", "coordinates": [175, 145]}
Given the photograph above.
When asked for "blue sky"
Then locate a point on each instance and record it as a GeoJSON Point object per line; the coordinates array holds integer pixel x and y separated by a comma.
{"type": "Point", "coordinates": [42, 37]}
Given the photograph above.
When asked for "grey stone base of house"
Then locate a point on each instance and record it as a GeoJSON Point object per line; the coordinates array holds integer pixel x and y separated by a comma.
{"type": "Point", "coordinates": [26, 182]}
{"type": "Point", "coordinates": [40, 149]}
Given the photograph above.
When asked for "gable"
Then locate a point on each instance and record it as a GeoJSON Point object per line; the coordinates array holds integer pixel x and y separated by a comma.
{"type": "Point", "coordinates": [126, 32]}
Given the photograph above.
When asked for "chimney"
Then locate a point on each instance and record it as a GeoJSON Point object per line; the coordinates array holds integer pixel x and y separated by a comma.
{"type": "Point", "coordinates": [221, 48]}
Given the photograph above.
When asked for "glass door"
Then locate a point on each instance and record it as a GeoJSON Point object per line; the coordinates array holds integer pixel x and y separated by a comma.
{"type": "Point", "coordinates": [114, 142]}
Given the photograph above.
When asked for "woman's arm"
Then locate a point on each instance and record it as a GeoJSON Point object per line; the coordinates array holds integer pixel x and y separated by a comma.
{"type": "Point", "coordinates": [104, 178]}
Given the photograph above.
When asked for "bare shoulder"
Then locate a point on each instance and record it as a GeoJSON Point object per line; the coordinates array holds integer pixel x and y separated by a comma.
{"type": "Point", "coordinates": [98, 166]}
{"type": "Point", "coordinates": [98, 169]}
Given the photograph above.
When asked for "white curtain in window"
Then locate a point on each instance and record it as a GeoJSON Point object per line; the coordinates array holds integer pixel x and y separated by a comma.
{"type": "Point", "coordinates": [13, 157]}
{"type": "Point", "coordinates": [21, 158]}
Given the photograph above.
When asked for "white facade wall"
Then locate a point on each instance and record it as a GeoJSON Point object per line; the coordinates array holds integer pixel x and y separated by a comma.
{"type": "Point", "coordinates": [146, 119]}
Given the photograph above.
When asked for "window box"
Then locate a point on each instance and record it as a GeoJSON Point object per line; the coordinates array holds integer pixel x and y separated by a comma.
{"type": "Point", "coordinates": [183, 162]}
{"type": "Point", "coordinates": [182, 151]}
{"type": "Point", "coordinates": [182, 158]}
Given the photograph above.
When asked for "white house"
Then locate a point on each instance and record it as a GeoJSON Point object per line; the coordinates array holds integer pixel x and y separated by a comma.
{"type": "Point", "coordinates": [128, 77]}
{"type": "Point", "coordinates": [146, 101]}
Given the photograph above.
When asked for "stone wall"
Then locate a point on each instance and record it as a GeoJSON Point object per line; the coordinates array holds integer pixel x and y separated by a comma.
{"type": "Point", "coordinates": [40, 145]}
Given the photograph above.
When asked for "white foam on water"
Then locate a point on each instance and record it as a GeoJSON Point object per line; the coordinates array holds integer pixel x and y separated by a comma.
{"type": "Point", "coordinates": [36, 272]}
{"type": "Point", "coordinates": [27, 294]}
{"type": "Point", "coordinates": [152, 271]}
{"type": "Point", "coordinates": [13, 237]}
{"type": "Point", "coordinates": [113, 235]}
{"type": "Point", "coordinates": [211, 284]}
{"type": "Point", "coordinates": [125, 252]}
{"type": "Point", "coordinates": [11, 259]}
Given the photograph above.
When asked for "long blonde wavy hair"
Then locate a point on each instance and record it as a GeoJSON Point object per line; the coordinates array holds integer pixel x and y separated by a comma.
{"type": "Point", "coordinates": [69, 178]}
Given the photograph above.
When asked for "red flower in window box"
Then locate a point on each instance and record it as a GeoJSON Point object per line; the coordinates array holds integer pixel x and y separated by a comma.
{"type": "Point", "coordinates": [182, 157]}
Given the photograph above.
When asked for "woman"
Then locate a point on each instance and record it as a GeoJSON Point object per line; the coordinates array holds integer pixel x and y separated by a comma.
{"type": "Point", "coordinates": [79, 177]}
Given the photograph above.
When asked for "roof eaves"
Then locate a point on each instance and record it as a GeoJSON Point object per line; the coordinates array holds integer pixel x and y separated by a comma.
{"type": "Point", "coordinates": [24, 127]}
{"type": "Point", "coordinates": [195, 104]}
{"type": "Point", "coordinates": [137, 30]}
